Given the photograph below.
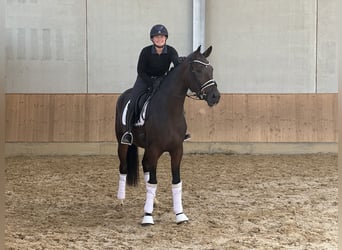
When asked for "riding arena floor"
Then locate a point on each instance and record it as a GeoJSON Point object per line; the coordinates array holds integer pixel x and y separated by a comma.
{"type": "Point", "coordinates": [232, 201]}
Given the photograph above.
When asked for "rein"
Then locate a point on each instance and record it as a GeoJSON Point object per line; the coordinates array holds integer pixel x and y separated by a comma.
{"type": "Point", "coordinates": [201, 94]}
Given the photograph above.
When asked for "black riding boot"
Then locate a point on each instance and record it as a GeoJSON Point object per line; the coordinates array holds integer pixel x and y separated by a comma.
{"type": "Point", "coordinates": [187, 137]}
{"type": "Point", "coordinates": [127, 137]}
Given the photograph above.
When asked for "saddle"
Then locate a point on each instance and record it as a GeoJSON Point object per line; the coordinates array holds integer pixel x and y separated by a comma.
{"type": "Point", "coordinates": [141, 105]}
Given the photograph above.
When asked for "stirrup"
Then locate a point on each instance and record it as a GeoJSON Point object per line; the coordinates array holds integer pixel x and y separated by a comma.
{"type": "Point", "coordinates": [187, 137]}
{"type": "Point", "coordinates": [127, 138]}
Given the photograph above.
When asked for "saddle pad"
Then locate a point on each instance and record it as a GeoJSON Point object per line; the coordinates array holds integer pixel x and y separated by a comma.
{"type": "Point", "coordinates": [142, 115]}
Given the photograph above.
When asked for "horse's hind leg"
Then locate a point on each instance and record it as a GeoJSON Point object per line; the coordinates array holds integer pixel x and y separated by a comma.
{"type": "Point", "coordinates": [176, 158]}
{"type": "Point", "coordinates": [122, 153]}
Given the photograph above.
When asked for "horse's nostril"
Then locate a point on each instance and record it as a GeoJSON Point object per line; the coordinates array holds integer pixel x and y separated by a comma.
{"type": "Point", "coordinates": [216, 96]}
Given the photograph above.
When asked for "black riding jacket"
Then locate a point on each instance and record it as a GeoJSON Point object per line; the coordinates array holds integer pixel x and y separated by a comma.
{"type": "Point", "coordinates": [151, 64]}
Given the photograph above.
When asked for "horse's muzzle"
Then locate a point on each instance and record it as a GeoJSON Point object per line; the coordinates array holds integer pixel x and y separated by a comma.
{"type": "Point", "coordinates": [213, 97]}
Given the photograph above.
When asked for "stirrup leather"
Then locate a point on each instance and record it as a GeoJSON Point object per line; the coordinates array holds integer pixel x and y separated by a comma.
{"type": "Point", "coordinates": [127, 138]}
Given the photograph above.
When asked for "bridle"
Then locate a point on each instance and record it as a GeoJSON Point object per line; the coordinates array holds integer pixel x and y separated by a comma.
{"type": "Point", "coordinates": [201, 95]}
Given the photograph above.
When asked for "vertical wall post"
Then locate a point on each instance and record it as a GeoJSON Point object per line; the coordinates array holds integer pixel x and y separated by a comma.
{"type": "Point", "coordinates": [339, 119]}
{"type": "Point", "coordinates": [198, 23]}
{"type": "Point", "coordinates": [2, 123]}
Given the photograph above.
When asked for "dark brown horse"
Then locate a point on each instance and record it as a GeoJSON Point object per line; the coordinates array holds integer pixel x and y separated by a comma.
{"type": "Point", "coordinates": [164, 129]}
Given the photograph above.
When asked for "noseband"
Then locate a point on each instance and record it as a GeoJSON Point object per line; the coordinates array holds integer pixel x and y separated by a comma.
{"type": "Point", "coordinates": [201, 94]}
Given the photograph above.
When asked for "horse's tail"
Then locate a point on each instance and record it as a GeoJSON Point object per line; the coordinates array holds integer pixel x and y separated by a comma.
{"type": "Point", "coordinates": [132, 165]}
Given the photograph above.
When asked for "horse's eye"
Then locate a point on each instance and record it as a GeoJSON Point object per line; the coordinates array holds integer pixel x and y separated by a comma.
{"type": "Point", "coordinates": [199, 70]}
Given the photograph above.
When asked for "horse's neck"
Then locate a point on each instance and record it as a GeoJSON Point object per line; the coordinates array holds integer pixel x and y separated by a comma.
{"type": "Point", "coordinates": [175, 84]}
{"type": "Point", "coordinates": [173, 91]}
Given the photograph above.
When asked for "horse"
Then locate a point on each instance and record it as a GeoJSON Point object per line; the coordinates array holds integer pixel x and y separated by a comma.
{"type": "Point", "coordinates": [164, 129]}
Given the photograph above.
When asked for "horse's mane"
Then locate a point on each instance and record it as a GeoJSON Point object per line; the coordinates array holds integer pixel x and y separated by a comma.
{"type": "Point", "coordinates": [169, 78]}
{"type": "Point", "coordinates": [176, 68]}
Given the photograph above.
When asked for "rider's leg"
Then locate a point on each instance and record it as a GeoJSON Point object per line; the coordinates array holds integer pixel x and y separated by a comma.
{"type": "Point", "coordinates": [138, 88]}
{"type": "Point", "coordinates": [187, 137]}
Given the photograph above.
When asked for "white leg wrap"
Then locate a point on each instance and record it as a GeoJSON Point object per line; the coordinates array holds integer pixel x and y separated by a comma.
{"type": "Point", "coordinates": [177, 198]}
{"type": "Point", "coordinates": [122, 187]}
{"type": "Point", "coordinates": [147, 176]}
{"type": "Point", "coordinates": [150, 194]}
{"type": "Point", "coordinates": [177, 203]}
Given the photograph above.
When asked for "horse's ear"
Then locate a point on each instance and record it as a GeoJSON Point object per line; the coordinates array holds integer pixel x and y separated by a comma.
{"type": "Point", "coordinates": [198, 49]}
{"type": "Point", "coordinates": [208, 51]}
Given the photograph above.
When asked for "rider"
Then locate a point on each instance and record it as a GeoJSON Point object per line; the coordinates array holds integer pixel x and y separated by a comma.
{"type": "Point", "coordinates": [154, 62]}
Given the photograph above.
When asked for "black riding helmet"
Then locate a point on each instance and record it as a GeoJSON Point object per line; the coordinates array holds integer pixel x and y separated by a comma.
{"type": "Point", "coordinates": [158, 29]}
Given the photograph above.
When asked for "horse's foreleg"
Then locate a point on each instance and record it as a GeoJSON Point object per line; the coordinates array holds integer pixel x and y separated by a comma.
{"type": "Point", "coordinates": [146, 176]}
{"type": "Point", "coordinates": [122, 188]}
{"type": "Point", "coordinates": [176, 158]}
{"type": "Point", "coordinates": [150, 168]}
{"type": "Point", "coordinates": [146, 179]}
{"type": "Point", "coordinates": [177, 203]}
{"type": "Point", "coordinates": [148, 208]}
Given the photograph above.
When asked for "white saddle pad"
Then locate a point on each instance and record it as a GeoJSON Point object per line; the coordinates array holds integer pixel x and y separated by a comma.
{"type": "Point", "coordinates": [141, 120]}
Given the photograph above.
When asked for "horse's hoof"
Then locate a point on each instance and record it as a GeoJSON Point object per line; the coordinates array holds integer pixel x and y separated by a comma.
{"type": "Point", "coordinates": [147, 220]}
{"type": "Point", "coordinates": [181, 218]}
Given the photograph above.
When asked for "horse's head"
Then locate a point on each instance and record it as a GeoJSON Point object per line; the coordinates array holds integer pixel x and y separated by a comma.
{"type": "Point", "coordinates": [202, 82]}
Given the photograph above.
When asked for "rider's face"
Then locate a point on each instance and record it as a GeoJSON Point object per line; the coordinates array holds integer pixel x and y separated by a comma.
{"type": "Point", "coordinates": [159, 40]}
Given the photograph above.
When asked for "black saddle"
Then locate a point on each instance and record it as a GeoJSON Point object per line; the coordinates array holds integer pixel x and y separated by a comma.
{"type": "Point", "coordinates": [144, 97]}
